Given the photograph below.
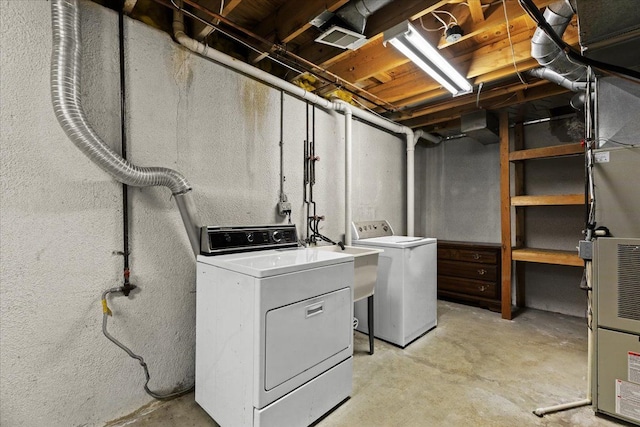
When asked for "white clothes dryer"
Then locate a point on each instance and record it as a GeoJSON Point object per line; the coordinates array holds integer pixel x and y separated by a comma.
{"type": "Point", "coordinates": [405, 304]}
{"type": "Point", "coordinates": [274, 338]}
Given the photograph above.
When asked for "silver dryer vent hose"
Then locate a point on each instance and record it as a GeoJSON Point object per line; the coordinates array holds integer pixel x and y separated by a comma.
{"type": "Point", "coordinates": [65, 96]}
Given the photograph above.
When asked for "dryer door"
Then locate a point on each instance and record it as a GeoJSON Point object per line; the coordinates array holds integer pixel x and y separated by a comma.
{"type": "Point", "coordinates": [302, 335]}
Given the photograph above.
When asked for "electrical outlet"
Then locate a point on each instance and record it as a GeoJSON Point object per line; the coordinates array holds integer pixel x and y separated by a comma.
{"type": "Point", "coordinates": [284, 208]}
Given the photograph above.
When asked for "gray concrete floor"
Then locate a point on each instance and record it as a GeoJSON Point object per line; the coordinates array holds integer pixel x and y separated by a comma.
{"type": "Point", "coordinates": [474, 369]}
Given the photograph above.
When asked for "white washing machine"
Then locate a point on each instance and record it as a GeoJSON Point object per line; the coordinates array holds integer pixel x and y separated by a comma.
{"type": "Point", "coordinates": [405, 304]}
{"type": "Point", "coordinates": [274, 340]}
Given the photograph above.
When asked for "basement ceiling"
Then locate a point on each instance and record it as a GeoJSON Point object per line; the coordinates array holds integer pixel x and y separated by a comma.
{"type": "Point", "coordinates": [277, 36]}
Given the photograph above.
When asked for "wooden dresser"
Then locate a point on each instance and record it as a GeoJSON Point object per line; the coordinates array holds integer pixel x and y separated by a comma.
{"type": "Point", "coordinates": [470, 272]}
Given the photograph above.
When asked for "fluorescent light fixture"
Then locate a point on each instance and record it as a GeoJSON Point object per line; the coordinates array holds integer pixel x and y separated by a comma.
{"type": "Point", "coordinates": [407, 40]}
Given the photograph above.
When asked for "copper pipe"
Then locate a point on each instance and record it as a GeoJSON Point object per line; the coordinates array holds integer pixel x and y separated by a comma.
{"type": "Point", "coordinates": [333, 78]}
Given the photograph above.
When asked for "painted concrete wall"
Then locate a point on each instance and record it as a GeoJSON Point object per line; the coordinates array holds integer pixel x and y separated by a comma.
{"type": "Point", "coordinates": [460, 190]}
{"type": "Point", "coordinates": [60, 216]}
{"type": "Point", "coordinates": [460, 181]}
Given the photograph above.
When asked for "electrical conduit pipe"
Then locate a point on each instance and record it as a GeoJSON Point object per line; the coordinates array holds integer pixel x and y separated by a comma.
{"type": "Point", "coordinates": [338, 105]}
{"type": "Point", "coordinates": [65, 90]}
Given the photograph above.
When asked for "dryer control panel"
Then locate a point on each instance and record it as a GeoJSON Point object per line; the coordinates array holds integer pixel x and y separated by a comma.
{"type": "Point", "coordinates": [218, 240]}
{"type": "Point", "coordinates": [370, 229]}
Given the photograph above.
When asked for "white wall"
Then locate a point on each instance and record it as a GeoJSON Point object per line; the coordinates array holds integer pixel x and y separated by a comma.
{"type": "Point", "coordinates": [459, 183]}
{"type": "Point", "coordinates": [460, 197]}
{"type": "Point", "coordinates": [60, 216]}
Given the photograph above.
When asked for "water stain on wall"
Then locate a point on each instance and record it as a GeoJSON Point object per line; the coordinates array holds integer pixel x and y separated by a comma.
{"type": "Point", "coordinates": [181, 67]}
{"type": "Point", "coordinates": [255, 101]}
{"type": "Point", "coordinates": [182, 73]}
{"type": "Point", "coordinates": [255, 107]}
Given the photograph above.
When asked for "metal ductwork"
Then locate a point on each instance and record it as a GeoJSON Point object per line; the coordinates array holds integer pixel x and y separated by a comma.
{"type": "Point", "coordinates": [345, 28]}
{"type": "Point", "coordinates": [553, 76]}
{"type": "Point", "coordinates": [355, 13]}
{"type": "Point", "coordinates": [557, 67]}
{"type": "Point", "coordinates": [610, 31]}
{"type": "Point", "coordinates": [481, 125]}
{"type": "Point", "coordinates": [67, 106]}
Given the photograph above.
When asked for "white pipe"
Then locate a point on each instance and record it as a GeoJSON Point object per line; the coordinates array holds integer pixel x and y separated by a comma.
{"type": "Point", "coordinates": [411, 182]}
{"type": "Point", "coordinates": [348, 161]}
{"type": "Point", "coordinates": [429, 137]}
{"type": "Point", "coordinates": [562, 407]}
{"type": "Point", "coordinates": [584, 402]}
{"type": "Point", "coordinates": [339, 105]}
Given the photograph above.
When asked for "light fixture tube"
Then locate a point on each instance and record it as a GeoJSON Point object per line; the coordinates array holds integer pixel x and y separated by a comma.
{"type": "Point", "coordinates": [407, 40]}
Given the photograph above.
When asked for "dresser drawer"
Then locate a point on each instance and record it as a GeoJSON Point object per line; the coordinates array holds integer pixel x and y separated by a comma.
{"type": "Point", "coordinates": [468, 255]}
{"type": "Point", "coordinates": [468, 286]}
{"type": "Point", "coordinates": [468, 270]}
{"type": "Point", "coordinates": [485, 257]}
{"type": "Point", "coordinates": [447, 253]}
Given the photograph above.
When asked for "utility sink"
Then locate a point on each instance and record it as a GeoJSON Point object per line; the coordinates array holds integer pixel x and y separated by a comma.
{"type": "Point", "coordinates": [365, 265]}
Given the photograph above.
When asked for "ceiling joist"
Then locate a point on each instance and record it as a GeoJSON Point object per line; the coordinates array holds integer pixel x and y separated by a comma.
{"type": "Point", "coordinates": [492, 50]}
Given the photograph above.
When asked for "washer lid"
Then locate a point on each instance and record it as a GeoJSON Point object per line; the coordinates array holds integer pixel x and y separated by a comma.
{"type": "Point", "coordinates": [395, 241]}
{"type": "Point", "coordinates": [278, 261]}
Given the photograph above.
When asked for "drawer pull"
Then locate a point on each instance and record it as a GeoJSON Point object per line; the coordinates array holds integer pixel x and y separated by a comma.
{"type": "Point", "coordinates": [477, 256]}
{"type": "Point", "coordinates": [482, 288]}
{"type": "Point", "coordinates": [314, 309]}
{"type": "Point", "coordinates": [482, 271]}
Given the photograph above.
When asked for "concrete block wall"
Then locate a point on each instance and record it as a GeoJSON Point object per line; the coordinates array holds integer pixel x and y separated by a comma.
{"type": "Point", "coordinates": [60, 215]}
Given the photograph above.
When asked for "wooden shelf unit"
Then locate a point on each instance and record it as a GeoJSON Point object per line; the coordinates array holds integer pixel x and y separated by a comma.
{"type": "Point", "coordinates": [547, 152]}
{"type": "Point", "coordinates": [519, 200]}
{"type": "Point", "coordinates": [547, 256]}
{"type": "Point", "coordinates": [548, 200]}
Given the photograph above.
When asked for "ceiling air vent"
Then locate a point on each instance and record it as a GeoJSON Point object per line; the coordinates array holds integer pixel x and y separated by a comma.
{"type": "Point", "coordinates": [341, 37]}
{"type": "Point", "coordinates": [344, 28]}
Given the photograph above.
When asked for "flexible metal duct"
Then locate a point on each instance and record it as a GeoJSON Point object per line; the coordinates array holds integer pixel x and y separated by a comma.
{"type": "Point", "coordinates": [65, 95]}
{"type": "Point", "coordinates": [558, 15]}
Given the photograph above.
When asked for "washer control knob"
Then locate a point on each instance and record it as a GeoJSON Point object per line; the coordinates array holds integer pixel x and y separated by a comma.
{"type": "Point", "coordinates": [385, 228]}
{"type": "Point", "coordinates": [277, 236]}
{"type": "Point", "coordinates": [250, 237]}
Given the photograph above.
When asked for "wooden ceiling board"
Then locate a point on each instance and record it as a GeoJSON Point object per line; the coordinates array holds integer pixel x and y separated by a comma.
{"type": "Point", "coordinates": [392, 14]}
{"type": "Point", "coordinates": [475, 8]}
{"type": "Point", "coordinates": [494, 17]}
{"type": "Point", "coordinates": [484, 53]}
{"type": "Point", "coordinates": [420, 98]}
{"type": "Point", "coordinates": [403, 87]}
{"type": "Point", "coordinates": [250, 13]}
{"type": "Point", "coordinates": [509, 70]}
{"type": "Point", "coordinates": [471, 98]}
{"type": "Point", "coordinates": [503, 101]}
{"type": "Point", "coordinates": [292, 18]}
{"type": "Point", "coordinates": [367, 61]}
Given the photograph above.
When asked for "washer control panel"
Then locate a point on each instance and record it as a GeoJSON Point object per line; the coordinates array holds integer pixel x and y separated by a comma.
{"type": "Point", "coordinates": [217, 240]}
{"type": "Point", "coordinates": [370, 229]}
